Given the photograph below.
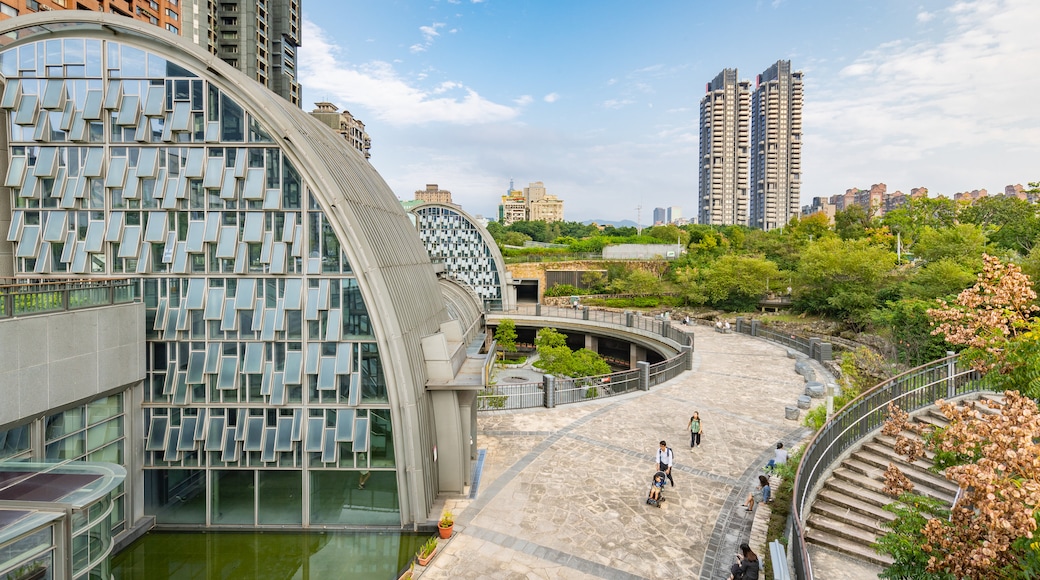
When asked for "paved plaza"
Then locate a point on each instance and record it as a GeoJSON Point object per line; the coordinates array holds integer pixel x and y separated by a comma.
{"type": "Point", "coordinates": [561, 491]}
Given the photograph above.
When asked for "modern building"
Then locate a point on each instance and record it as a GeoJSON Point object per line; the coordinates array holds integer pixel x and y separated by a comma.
{"type": "Point", "coordinates": [674, 214]}
{"type": "Point", "coordinates": [513, 207]}
{"type": "Point", "coordinates": [290, 321]}
{"type": "Point", "coordinates": [351, 129]}
{"type": "Point", "coordinates": [776, 144]}
{"type": "Point", "coordinates": [465, 249]}
{"type": "Point", "coordinates": [433, 194]}
{"type": "Point", "coordinates": [724, 153]}
{"type": "Point", "coordinates": [258, 37]}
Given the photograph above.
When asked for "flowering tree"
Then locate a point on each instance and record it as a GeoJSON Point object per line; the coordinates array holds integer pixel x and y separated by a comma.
{"type": "Point", "coordinates": [995, 320]}
{"type": "Point", "coordinates": [994, 457]}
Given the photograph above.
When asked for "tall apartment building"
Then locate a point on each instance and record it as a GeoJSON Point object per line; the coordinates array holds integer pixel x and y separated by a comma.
{"type": "Point", "coordinates": [351, 129]}
{"type": "Point", "coordinates": [258, 37]}
{"type": "Point", "coordinates": [532, 204]}
{"type": "Point", "coordinates": [725, 116]}
{"type": "Point", "coordinates": [776, 141]}
{"type": "Point", "coordinates": [660, 215]}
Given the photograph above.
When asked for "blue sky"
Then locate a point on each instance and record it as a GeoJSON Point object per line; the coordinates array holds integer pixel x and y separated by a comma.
{"type": "Point", "coordinates": [599, 99]}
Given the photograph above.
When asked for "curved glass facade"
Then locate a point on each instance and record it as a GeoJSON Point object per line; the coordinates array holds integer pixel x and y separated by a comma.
{"type": "Point", "coordinates": [265, 400]}
{"type": "Point", "coordinates": [453, 238]}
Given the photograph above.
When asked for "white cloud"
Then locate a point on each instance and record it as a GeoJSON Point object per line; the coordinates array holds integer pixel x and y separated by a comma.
{"type": "Point", "coordinates": [524, 100]}
{"type": "Point", "coordinates": [931, 111]}
{"type": "Point", "coordinates": [616, 103]}
{"type": "Point", "coordinates": [429, 34]}
{"type": "Point", "coordinates": [925, 16]}
{"type": "Point", "coordinates": [551, 98]}
{"type": "Point", "coordinates": [384, 95]}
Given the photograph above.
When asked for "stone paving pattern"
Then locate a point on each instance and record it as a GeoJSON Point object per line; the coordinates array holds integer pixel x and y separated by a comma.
{"type": "Point", "coordinates": [562, 491]}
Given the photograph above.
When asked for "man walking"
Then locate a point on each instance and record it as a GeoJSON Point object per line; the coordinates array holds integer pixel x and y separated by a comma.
{"type": "Point", "coordinates": [665, 460]}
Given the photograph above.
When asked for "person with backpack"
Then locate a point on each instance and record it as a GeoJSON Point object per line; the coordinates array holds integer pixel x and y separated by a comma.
{"type": "Point", "coordinates": [665, 459]}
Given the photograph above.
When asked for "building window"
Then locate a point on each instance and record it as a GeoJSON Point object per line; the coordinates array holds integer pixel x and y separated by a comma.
{"type": "Point", "coordinates": [7, 10]}
{"type": "Point", "coordinates": [171, 14]}
{"type": "Point", "coordinates": [32, 5]}
{"type": "Point", "coordinates": [172, 29]}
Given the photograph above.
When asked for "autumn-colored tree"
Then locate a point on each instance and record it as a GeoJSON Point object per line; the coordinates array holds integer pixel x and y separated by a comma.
{"type": "Point", "coordinates": [990, 529]}
{"type": "Point", "coordinates": [989, 316]}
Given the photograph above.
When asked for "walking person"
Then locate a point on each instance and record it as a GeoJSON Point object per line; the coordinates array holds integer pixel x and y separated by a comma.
{"type": "Point", "coordinates": [695, 430]}
{"type": "Point", "coordinates": [665, 459]}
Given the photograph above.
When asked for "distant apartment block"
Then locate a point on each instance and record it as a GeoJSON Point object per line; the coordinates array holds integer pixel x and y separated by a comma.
{"type": "Point", "coordinates": [970, 196]}
{"type": "Point", "coordinates": [258, 37]}
{"type": "Point", "coordinates": [660, 215]}
{"type": "Point", "coordinates": [163, 13]}
{"type": "Point", "coordinates": [433, 194]}
{"type": "Point", "coordinates": [724, 154]}
{"type": "Point", "coordinates": [776, 141]}
{"type": "Point", "coordinates": [667, 215]}
{"type": "Point", "coordinates": [353, 130]}
{"type": "Point", "coordinates": [531, 204]}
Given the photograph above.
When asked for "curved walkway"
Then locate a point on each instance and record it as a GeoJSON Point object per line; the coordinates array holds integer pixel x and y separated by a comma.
{"type": "Point", "coordinates": [561, 491]}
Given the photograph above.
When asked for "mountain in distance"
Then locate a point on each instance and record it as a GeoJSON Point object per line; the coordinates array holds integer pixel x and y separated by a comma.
{"type": "Point", "coordinates": [616, 224]}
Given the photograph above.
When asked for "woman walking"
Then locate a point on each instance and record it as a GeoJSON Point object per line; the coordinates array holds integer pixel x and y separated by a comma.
{"type": "Point", "coordinates": [695, 429]}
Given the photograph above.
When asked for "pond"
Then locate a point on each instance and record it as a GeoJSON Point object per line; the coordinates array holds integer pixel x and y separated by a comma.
{"type": "Point", "coordinates": [268, 555]}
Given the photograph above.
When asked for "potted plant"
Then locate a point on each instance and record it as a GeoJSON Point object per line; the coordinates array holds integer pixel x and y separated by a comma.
{"type": "Point", "coordinates": [447, 522]}
{"type": "Point", "coordinates": [409, 573]}
{"type": "Point", "coordinates": [425, 553]}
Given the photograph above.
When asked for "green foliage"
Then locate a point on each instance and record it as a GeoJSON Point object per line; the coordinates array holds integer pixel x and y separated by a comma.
{"type": "Point", "coordinates": [640, 302]}
{"type": "Point", "coordinates": [739, 282]}
{"type": "Point", "coordinates": [563, 290]}
{"type": "Point", "coordinates": [637, 282]}
{"type": "Point", "coordinates": [935, 212]}
{"type": "Point", "coordinates": [555, 358]}
{"type": "Point", "coordinates": [428, 547]}
{"type": "Point", "coordinates": [505, 335]}
{"type": "Point", "coordinates": [591, 393]}
{"type": "Point", "coordinates": [491, 399]}
{"type": "Point", "coordinates": [963, 244]}
{"type": "Point", "coordinates": [852, 223]}
{"type": "Point", "coordinates": [940, 279]}
{"type": "Point", "coordinates": [781, 507]}
{"type": "Point", "coordinates": [903, 541]}
{"type": "Point", "coordinates": [594, 281]}
{"type": "Point", "coordinates": [817, 416]}
{"type": "Point", "coordinates": [910, 329]}
{"type": "Point", "coordinates": [1009, 222]}
{"type": "Point", "coordinates": [842, 278]}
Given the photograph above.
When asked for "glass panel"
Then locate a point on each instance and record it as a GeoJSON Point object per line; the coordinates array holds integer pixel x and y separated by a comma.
{"type": "Point", "coordinates": [327, 374]}
{"type": "Point", "coordinates": [196, 293]}
{"type": "Point", "coordinates": [354, 392]}
{"type": "Point", "coordinates": [345, 424]}
{"type": "Point", "coordinates": [254, 358]}
{"type": "Point", "coordinates": [330, 453]}
{"type": "Point", "coordinates": [215, 437]}
{"type": "Point", "coordinates": [116, 173]}
{"type": "Point", "coordinates": [361, 434]}
{"type": "Point", "coordinates": [284, 435]}
{"type": "Point", "coordinates": [230, 320]}
{"type": "Point", "coordinates": [228, 241]}
{"type": "Point", "coordinates": [254, 434]}
{"type": "Point", "coordinates": [228, 373]}
{"type": "Point", "coordinates": [157, 434]}
{"type": "Point", "coordinates": [92, 105]}
{"type": "Point", "coordinates": [233, 496]}
{"type": "Point", "coordinates": [343, 351]}
{"type": "Point", "coordinates": [212, 358]}
{"type": "Point", "coordinates": [131, 244]}
{"type": "Point", "coordinates": [254, 227]}
{"type": "Point", "coordinates": [196, 365]}
{"type": "Point", "coordinates": [315, 433]}
{"type": "Point", "coordinates": [193, 168]}
{"type": "Point", "coordinates": [293, 294]}
{"type": "Point", "coordinates": [293, 367]}
{"type": "Point", "coordinates": [335, 326]}
{"type": "Point", "coordinates": [95, 236]}
{"type": "Point", "coordinates": [115, 227]}
{"type": "Point", "coordinates": [156, 229]}
{"type": "Point", "coordinates": [186, 440]}
{"type": "Point", "coordinates": [254, 186]}
{"type": "Point", "coordinates": [55, 230]}
{"type": "Point", "coordinates": [281, 497]}
{"type": "Point", "coordinates": [171, 453]}
{"type": "Point", "coordinates": [15, 172]}
{"type": "Point", "coordinates": [155, 101]}
{"type": "Point", "coordinates": [128, 110]}
{"type": "Point", "coordinates": [268, 453]}
{"type": "Point", "coordinates": [214, 303]}
{"type": "Point", "coordinates": [214, 172]}
{"type": "Point", "coordinates": [313, 354]}
{"type": "Point", "coordinates": [231, 450]}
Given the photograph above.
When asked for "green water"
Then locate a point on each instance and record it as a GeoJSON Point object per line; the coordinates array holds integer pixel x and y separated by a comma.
{"type": "Point", "coordinates": [265, 555]}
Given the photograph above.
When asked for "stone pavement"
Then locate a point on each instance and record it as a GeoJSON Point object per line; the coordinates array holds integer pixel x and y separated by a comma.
{"type": "Point", "coordinates": [561, 492]}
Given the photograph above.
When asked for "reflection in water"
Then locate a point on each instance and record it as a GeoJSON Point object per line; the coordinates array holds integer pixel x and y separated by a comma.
{"type": "Point", "coordinates": [267, 555]}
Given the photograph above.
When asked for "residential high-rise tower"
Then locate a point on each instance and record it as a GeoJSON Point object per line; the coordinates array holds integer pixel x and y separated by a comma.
{"type": "Point", "coordinates": [725, 116]}
{"type": "Point", "coordinates": [776, 164]}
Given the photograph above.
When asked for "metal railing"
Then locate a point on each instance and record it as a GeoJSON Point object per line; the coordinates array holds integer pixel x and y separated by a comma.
{"type": "Point", "coordinates": [913, 390]}
{"type": "Point", "coordinates": [815, 348]}
{"type": "Point", "coordinates": [573, 390]}
{"type": "Point", "coordinates": [26, 298]}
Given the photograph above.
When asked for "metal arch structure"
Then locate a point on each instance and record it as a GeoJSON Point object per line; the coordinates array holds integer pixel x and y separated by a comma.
{"type": "Point", "coordinates": [396, 278]}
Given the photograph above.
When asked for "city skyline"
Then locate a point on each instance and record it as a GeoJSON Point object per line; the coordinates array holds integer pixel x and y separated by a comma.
{"type": "Point", "coordinates": [470, 94]}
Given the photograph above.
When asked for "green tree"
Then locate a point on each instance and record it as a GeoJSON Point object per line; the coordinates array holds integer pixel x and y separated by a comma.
{"type": "Point", "coordinates": [903, 541]}
{"type": "Point", "coordinates": [505, 335]}
{"type": "Point", "coordinates": [670, 234]}
{"type": "Point", "coordinates": [939, 279]}
{"type": "Point", "coordinates": [555, 358]}
{"type": "Point", "coordinates": [1010, 222]}
{"type": "Point", "coordinates": [514, 239]}
{"type": "Point", "coordinates": [962, 243]}
{"type": "Point", "coordinates": [852, 222]}
{"type": "Point", "coordinates": [907, 221]}
{"type": "Point", "coordinates": [910, 329]}
{"type": "Point", "coordinates": [537, 230]}
{"type": "Point", "coordinates": [549, 337]}
{"type": "Point", "coordinates": [842, 278]}
{"type": "Point", "coordinates": [637, 282]}
{"type": "Point", "coordinates": [739, 282]}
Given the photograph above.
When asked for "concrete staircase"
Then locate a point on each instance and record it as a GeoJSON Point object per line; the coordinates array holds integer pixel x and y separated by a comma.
{"type": "Point", "coordinates": [847, 513]}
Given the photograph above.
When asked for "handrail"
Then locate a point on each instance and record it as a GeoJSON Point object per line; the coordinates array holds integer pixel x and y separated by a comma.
{"type": "Point", "coordinates": [28, 298]}
{"type": "Point", "coordinates": [913, 390]}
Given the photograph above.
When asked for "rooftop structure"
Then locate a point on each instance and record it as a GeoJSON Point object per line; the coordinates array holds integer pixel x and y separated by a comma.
{"type": "Point", "coordinates": [433, 194]}
{"type": "Point", "coordinates": [351, 129]}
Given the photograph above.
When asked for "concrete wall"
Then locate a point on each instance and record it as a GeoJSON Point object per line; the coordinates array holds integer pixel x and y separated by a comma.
{"type": "Point", "coordinates": [48, 361]}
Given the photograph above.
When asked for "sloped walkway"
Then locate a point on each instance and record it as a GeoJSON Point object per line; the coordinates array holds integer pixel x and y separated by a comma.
{"type": "Point", "coordinates": [562, 491]}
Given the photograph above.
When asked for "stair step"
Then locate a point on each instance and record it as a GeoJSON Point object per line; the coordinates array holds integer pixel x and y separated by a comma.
{"type": "Point", "coordinates": [854, 549]}
{"type": "Point", "coordinates": [912, 472]}
{"type": "Point", "coordinates": [848, 496]}
{"type": "Point", "coordinates": [881, 448]}
{"type": "Point", "coordinates": [856, 473]}
{"type": "Point", "coordinates": [928, 419]}
{"type": "Point", "coordinates": [890, 443]}
{"type": "Point", "coordinates": [849, 517]}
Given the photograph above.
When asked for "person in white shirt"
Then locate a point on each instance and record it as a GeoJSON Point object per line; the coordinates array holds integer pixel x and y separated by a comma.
{"type": "Point", "coordinates": [779, 458]}
{"type": "Point", "coordinates": [665, 460]}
